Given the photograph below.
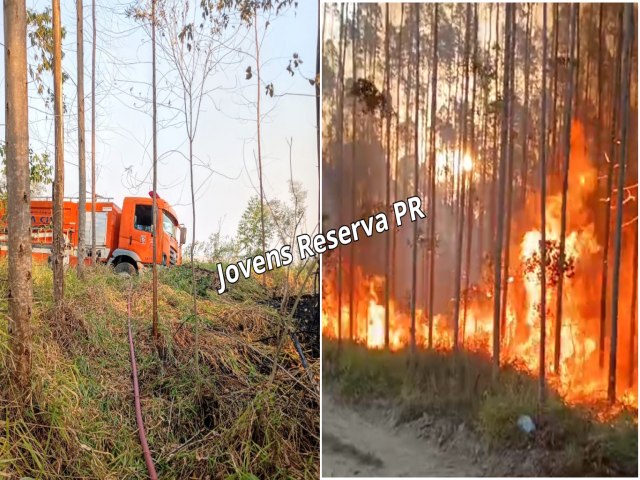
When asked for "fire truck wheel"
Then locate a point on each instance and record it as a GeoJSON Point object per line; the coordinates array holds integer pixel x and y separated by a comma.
{"type": "Point", "coordinates": [125, 268]}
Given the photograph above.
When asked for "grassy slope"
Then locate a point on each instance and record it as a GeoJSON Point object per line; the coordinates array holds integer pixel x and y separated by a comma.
{"type": "Point", "coordinates": [233, 423]}
{"type": "Point", "coordinates": [461, 390]}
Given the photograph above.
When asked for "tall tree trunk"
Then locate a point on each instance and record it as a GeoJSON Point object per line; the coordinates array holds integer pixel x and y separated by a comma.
{"type": "Point", "coordinates": [565, 186]}
{"type": "Point", "coordinates": [629, 30]}
{"type": "Point", "coordinates": [462, 152]}
{"type": "Point", "coordinates": [510, 175]}
{"type": "Point", "coordinates": [485, 121]}
{"type": "Point", "coordinates": [341, 54]}
{"type": "Point", "coordinates": [93, 134]}
{"type": "Point", "coordinates": [82, 172]}
{"type": "Point", "coordinates": [494, 156]}
{"type": "Point", "coordinates": [432, 161]}
{"type": "Point", "coordinates": [543, 214]}
{"type": "Point", "coordinates": [258, 141]}
{"type": "Point", "coordinates": [607, 213]}
{"type": "Point", "coordinates": [58, 183]}
{"type": "Point", "coordinates": [387, 252]}
{"type": "Point", "coordinates": [601, 42]}
{"type": "Point", "coordinates": [353, 309]}
{"type": "Point", "coordinates": [397, 151]}
{"type": "Point", "coordinates": [154, 204]}
{"type": "Point", "coordinates": [554, 95]}
{"type": "Point", "coordinates": [525, 109]}
{"type": "Point", "coordinates": [474, 157]}
{"type": "Point", "coordinates": [193, 266]}
{"type": "Point", "coordinates": [318, 120]}
{"type": "Point", "coordinates": [19, 294]}
{"type": "Point", "coordinates": [416, 173]}
{"type": "Point", "coordinates": [497, 256]}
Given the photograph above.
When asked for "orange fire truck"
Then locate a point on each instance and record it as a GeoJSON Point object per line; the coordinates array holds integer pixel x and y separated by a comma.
{"type": "Point", "coordinates": [123, 235]}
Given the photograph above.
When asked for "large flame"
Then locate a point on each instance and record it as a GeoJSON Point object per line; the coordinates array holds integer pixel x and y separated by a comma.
{"type": "Point", "coordinates": [580, 377]}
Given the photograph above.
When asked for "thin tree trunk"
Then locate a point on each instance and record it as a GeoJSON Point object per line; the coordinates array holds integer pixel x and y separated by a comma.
{"type": "Point", "coordinates": [318, 120]}
{"type": "Point", "coordinates": [82, 172]}
{"type": "Point", "coordinates": [93, 135]}
{"type": "Point", "coordinates": [607, 213]}
{"type": "Point", "coordinates": [472, 149]}
{"type": "Point", "coordinates": [601, 43]}
{"type": "Point", "coordinates": [525, 109]}
{"type": "Point", "coordinates": [259, 142]}
{"type": "Point", "coordinates": [341, 53]}
{"type": "Point", "coordinates": [352, 248]}
{"type": "Point", "coordinates": [554, 105]}
{"type": "Point", "coordinates": [154, 205]}
{"type": "Point", "coordinates": [462, 175]}
{"type": "Point", "coordinates": [397, 151]}
{"type": "Point", "coordinates": [19, 295]}
{"type": "Point", "coordinates": [432, 161]}
{"type": "Point", "coordinates": [543, 215]}
{"type": "Point", "coordinates": [565, 187]}
{"type": "Point", "coordinates": [494, 157]}
{"type": "Point", "coordinates": [485, 127]}
{"type": "Point", "coordinates": [497, 257]}
{"type": "Point", "coordinates": [58, 183]}
{"type": "Point", "coordinates": [387, 253]}
{"type": "Point", "coordinates": [510, 175]}
{"type": "Point", "coordinates": [193, 265]}
{"type": "Point", "coordinates": [629, 30]}
{"type": "Point", "coordinates": [415, 186]}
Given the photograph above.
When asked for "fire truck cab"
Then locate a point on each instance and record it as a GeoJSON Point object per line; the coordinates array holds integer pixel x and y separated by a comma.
{"type": "Point", "coordinates": [124, 236]}
{"type": "Point", "coordinates": [134, 247]}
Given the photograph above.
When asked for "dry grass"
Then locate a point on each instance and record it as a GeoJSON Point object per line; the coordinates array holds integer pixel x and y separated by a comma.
{"type": "Point", "coordinates": [229, 421]}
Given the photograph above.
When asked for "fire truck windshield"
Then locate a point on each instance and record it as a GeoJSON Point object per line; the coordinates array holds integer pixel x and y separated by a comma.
{"type": "Point", "coordinates": [168, 224]}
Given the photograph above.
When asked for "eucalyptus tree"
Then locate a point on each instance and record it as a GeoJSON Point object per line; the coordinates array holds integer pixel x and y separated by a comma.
{"type": "Point", "coordinates": [57, 257]}
{"type": "Point", "coordinates": [82, 171]}
{"type": "Point", "coordinates": [432, 162]}
{"type": "Point", "coordinates": [415, 183]}
{"type": "Point", "coordinates": [18, 195]}
{"type": "Point", "coordinates": [543, 214]}
{"type": "Point", "coordinates": [565, 185]}
{"type": "Point", "coordinates": [497, 258]}
{"type": "Point", "coordinates": [628, 34]}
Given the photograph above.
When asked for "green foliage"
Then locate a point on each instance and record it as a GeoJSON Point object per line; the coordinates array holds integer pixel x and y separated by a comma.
{"type": "Point", "coordinates": [217, 248]}
{"type": "Point", "coordinates": [40, 34]}
{"type": "Point", "coordinates": [181, 278]}
{"type": "Point", "coordinates": [280, 222]}
{"type": "Point", "coordinates": [249, 233]}
{"type": "Point", "coordinates": [40, 168]}
{"type": "Point", "coordinates": [246, 8]}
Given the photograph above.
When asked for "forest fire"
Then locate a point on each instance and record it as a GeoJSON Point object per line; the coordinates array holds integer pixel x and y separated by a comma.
{"type": "Point", "coordinates": [580, 377]}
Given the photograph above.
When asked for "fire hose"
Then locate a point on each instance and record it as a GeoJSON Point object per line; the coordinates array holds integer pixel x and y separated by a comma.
{"type": "Point", "coordinates": [136, 398]}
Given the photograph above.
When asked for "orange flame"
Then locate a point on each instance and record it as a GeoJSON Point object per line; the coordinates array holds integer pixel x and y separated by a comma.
{"type": "Point", "coordinates": [580, 378]}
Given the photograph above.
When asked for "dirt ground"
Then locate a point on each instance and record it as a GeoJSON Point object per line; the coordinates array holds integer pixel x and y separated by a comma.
{"type": "Point", "coordinates": [366, 444]}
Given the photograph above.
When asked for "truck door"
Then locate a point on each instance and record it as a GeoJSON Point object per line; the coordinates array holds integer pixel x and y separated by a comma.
{"type": "Point", "coordinates": [169, 242]}
{"type": "Point", "coordinates": [140, 237]}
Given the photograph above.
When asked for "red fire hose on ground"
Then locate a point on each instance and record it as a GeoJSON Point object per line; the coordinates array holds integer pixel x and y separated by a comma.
{"type": "Point", "coordinates": [136, 398]}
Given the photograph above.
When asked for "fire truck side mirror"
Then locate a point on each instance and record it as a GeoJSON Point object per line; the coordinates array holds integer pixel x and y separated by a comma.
{"type": "Point", "coordinates": [183, 235]}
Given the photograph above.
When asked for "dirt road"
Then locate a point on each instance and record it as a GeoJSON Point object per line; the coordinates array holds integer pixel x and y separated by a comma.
{"type": "Point", "coordinates": [355, 446]}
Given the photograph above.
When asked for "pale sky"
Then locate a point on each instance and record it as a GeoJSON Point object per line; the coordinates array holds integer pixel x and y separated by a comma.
{"type": "Point", "coordinates": [226, 138]}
